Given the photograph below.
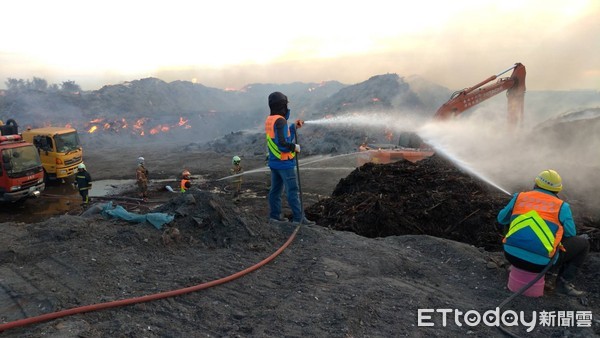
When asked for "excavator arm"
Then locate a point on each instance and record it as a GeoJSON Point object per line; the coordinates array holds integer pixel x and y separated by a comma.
{"type": "Point", "coordinates": [469, 97]}
{"type": "Point", "coordinates": [412, 148]}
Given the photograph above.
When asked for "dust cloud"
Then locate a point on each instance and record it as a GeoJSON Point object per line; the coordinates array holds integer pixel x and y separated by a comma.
{"type": "Point", "coordinates": [483, 144]}
{"type": "Point", "coordinates": [512, 158]}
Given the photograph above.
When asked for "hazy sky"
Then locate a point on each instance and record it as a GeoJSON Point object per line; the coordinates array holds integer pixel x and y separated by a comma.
{"type": "Point", "coordinates": [227, 44]}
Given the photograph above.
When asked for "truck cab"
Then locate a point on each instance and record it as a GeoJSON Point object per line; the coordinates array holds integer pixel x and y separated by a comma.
{"type": "Point", "coordinates": [59, 149]}
{"type": "Point", "coordinates": [21, 172]}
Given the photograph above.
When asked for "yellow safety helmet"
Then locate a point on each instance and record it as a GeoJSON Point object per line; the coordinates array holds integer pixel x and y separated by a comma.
{"type": "Point", "coordinates": [549, 180]}
{"type": "Point", "coordinates": [236, 160]}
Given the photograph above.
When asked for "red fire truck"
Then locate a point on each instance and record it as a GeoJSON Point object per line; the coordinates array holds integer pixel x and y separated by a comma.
{"type": "Point", "coordinates": [21, 171]}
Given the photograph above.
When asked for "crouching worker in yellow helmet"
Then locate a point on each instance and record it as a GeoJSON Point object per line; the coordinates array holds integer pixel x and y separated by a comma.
{"type": "Point", "coordinates": [540, 224]}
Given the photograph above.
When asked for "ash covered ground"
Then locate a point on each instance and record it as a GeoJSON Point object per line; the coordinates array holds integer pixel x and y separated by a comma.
{"type": "Point", "coordinates": [389, 240]}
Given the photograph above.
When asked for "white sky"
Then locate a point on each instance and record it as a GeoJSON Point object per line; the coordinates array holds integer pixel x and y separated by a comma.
{"type": "Point", "coordinates": [232, 43]}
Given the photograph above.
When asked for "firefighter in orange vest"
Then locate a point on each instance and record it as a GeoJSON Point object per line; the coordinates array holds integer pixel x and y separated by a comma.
{"type": "Point", "coordinates": [540, 224]}
{"type": "Point", "coordinates": [185, 183]}
{"type": "Point", "coordinates": [282, 160]}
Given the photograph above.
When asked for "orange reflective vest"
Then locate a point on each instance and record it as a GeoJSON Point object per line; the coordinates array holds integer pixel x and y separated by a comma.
{"type": "Point", "coordinates": [183, 185]}
{"type": "Point", "coordinates": [272, 142]}
{"type": "Point", "coordinates": [534, 225]}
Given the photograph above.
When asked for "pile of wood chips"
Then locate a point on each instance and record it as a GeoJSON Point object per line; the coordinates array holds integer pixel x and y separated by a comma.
{"type": "Point", "coordinates": [431, 197]}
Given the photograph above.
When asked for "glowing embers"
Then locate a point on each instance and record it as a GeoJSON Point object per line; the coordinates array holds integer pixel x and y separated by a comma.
{"type": "Point", "coordinates": [142, 126]}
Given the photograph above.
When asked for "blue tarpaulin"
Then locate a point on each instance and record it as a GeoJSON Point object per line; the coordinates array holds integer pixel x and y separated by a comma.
{"type": "Point", "coordinates": [157, 219]}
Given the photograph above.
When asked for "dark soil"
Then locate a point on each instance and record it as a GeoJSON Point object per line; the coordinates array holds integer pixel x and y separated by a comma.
{"type": "Point", "coordinates": [415, 236]}
{"type": "Point", "coordinates": [405, 198]}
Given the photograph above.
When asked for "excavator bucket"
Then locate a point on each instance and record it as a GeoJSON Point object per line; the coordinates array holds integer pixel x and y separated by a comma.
{"type": "Point", "coordinates": [410, 147]}
{"type": "Point", "coordinates": [383, 156]}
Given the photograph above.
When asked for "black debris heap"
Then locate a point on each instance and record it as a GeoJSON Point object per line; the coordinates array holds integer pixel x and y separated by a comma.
{"type": "Point", "coordinates": [431, 197]}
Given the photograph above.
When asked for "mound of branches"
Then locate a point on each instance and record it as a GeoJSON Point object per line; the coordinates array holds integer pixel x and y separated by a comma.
{"type": "Point", "coordinates": [431, 197]}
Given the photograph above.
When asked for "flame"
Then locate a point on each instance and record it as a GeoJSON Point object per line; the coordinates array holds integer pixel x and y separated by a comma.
{"type": "Point", "coordinates": [139, 125]}
{"type": "Point", "coordinates": [121, 125]}
{"type": "Point", "coordinates": [158, 129]}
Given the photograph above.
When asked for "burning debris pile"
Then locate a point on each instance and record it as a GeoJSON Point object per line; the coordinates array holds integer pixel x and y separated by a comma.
{"type": "Point", "coordinates": [430, 197]}
{"type": "Point", "coordinates": [140, 127]}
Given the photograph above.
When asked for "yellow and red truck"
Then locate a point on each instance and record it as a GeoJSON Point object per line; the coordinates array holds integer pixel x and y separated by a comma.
{"type": "Point", "coordinates": [21, 172]}
{"type": "Point", "coordinates": [59, 149]}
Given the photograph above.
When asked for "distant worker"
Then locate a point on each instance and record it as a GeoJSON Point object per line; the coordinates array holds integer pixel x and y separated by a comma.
{"type": "Point", "coordinates": [237, 181]}
{"type": "Point", "coordinates": [282, 160]}
{"type": "Point", "coordinates": [141, 175]}
{"type": "Point", "coordinates": [83, 181]}
{"type": "Point", "coordinates": [185, 181]}
{"type": "Point", "coordinates": [540, 225]}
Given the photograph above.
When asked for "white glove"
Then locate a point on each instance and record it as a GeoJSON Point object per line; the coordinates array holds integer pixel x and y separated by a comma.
{"type": "Point", "coordinates": [297, 148]}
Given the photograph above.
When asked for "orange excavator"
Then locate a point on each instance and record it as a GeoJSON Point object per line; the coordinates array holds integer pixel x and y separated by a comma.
{"type": "Point", "coordinates": [410, 145]}
{"type": "Point", "coordinates": [467, 98]}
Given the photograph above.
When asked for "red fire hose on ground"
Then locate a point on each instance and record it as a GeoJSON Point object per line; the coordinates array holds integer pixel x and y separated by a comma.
{"type": "Point", "coordinates": [147, 298]}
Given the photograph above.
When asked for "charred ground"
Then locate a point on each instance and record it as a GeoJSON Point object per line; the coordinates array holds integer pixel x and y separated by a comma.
{"type": "Point", "coordinates": [405, 198]}
{"type": "Point", "coordinates": [438, 253]}
{"type": "Point", "coordinates": [429, 197]}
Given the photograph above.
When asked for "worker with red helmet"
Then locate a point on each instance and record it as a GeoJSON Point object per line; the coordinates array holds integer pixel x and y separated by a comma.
{"type": "Point", "coordinates": [540, 224]}
{"type": "Point", "coordinates": [185, 183]}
